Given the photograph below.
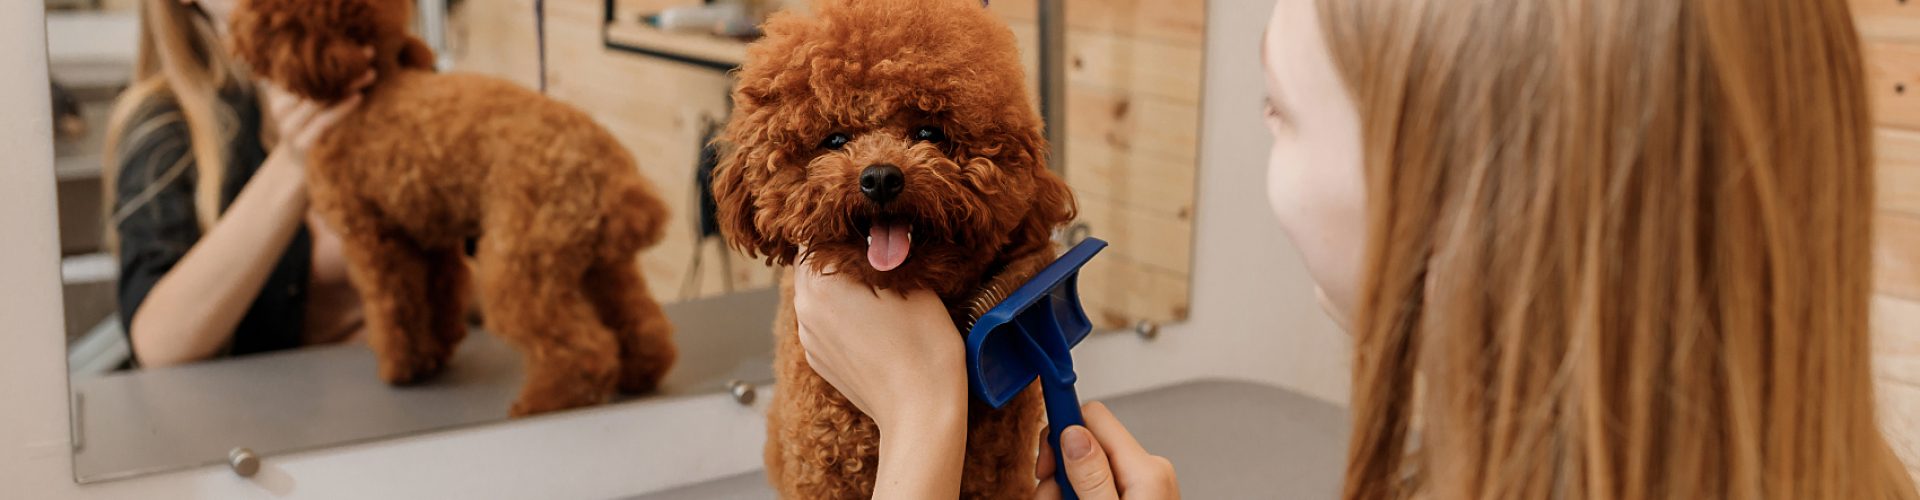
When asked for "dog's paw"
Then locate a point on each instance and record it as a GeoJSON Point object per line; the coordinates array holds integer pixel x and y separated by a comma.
{"type": "Point", "coordinates": [641, 372]}
{"type": "Point", "coordinates": [411, 371]}
{"type": "Point", "coordinates": [535, 404]}
{"type": "Point", "coordinates": [637, 378]}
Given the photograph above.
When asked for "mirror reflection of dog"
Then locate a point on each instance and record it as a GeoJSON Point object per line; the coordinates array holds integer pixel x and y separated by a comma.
{"type": "Point", "coordinates": [429, 160]}
{"type": "Point", "coordinates": [894, 140]}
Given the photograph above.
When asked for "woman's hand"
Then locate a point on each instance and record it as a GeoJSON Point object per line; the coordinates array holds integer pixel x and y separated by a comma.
{"type": "Point", "coordinates": [300, 122]}
{"type": "Point", "coordinates": [896, 356]}
{"type": "Point", "coordinates": [899, 359]}
{"type": "Point", "coordinates": [1105, 463]}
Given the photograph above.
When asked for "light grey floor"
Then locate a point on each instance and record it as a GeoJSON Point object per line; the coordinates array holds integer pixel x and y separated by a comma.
{"type": "Point", "coordinates": [148, 421]}
{"type": "Point", "coordinates": [1227, 440]}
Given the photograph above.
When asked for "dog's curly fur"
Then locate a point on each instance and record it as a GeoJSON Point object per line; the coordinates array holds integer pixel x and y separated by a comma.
{"type": "Point", "coordinates": [431, 160]}
{"type": "Point", "coordinates": [981, 203]}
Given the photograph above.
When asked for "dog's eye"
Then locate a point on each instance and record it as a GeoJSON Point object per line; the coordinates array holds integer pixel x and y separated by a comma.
{"type": "Point", "coordinates": [835, 141]}
{"type": "Point", "coordinates": [929, 133]}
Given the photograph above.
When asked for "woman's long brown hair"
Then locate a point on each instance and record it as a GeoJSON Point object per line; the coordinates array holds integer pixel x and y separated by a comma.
{"type": "Point", "coordinates": [182, 59]}
{"type": "Point", "coordinates": [1622, 248]}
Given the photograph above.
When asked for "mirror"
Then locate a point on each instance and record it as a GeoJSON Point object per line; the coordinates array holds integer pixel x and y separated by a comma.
{"type": "Point", "coordinates": [297, 371]}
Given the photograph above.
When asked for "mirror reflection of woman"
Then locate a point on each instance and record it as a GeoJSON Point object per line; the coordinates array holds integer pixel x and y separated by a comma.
{"type": "Point", "coordinates": [218, 253]}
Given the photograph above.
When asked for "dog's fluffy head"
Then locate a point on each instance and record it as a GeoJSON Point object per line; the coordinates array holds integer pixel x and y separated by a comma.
{"type": "Point", "coordinates": [317, 48]}
{"type": "Point", "coordinates": [932, 87]}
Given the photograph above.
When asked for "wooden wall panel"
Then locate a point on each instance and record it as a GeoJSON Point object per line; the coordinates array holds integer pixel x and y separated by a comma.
{"type": "Point", "coordinates": [1892, 50]}
{"type": "Point", "coordinates": [1144, 67]}
{"type": "Point", "coordinates": [1896, 256]}
{"type": "Point", "coordinates": [1900, 417]}
{"type": "Point", "coordinates": [1156, 185]}
{"type": "Point", "coordinates": [496, 38]}
{"type": "Point", "coordinates": [1893, 82]}
{"type": "Point", "coordinates": [1134, 74]}
{"type": "Point", "coordinates": [1133, 122]}
{"type": "Point", "coordinates": [1899, 155]}
{"type": "Point", "coordinates": [1896, 343]}
{"type": "Point", "coordinates": [1890, 20]}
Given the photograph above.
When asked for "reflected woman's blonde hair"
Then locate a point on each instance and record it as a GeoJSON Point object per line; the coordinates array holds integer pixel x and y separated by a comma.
{"type": "Point", "coordinates": [182, 59]}
{"type": "Point", "coordinates": [1620, 246]}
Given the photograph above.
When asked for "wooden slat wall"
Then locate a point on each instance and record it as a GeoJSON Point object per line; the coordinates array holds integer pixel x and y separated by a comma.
{"type": "Point", "coordinates": [1891, 29]}
{"type": "Point", "coordinates": [1133, 128]}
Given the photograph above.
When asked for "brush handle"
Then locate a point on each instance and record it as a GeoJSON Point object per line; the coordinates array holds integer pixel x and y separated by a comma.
{"type": "Point", "coordinates": [1063, 410]}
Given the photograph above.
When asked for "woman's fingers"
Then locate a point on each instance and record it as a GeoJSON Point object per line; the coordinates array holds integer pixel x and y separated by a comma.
{"type": "Point", "coordinates": [364, 81]}
{"type": "Point", "coordinates": [1141, 474]}
{"type": "Point", "coordinates": [278, 101]}
{"type": "Point", "coordinates": [1110, 432]}
{"type": "Point", "coordinates": [1087, 466]}
{"type": "Point", "coordinates": [1048, 490]}
{"type": "Point", "coordinates": [1103, 460]}
{"type": "Point", "coordinates": [294, 118]}
{"type": "Point", "coordinates": [325, 120]}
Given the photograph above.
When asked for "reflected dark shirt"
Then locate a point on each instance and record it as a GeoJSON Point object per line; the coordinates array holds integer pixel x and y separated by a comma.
{"type": "Point", "coordinates": [154, 219]}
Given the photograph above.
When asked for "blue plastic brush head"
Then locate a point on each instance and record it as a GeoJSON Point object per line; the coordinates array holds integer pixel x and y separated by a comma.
{"type": "Point", "coordinates": [1030, 335]}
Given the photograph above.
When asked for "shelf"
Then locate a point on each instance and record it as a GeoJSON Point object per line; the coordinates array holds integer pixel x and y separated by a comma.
{"type": "Point", "coordinates": [626, 33]}
{"type": "Point", "coordinates": [704, 50]}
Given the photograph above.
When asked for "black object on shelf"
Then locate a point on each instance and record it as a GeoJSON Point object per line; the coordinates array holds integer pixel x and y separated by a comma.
{"type": "Point", "coordinates": [709, 221]}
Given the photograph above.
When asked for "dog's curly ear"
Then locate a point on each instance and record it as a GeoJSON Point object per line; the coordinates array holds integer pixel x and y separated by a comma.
{"type": "Point", "coordinates": [313, 48]}
{"type": "Point", "coordinates": [1053, 202]}
{"type": "Point", "coordinates": [416, 54]}
{"type": "Point", "coordinates": [746, 162]}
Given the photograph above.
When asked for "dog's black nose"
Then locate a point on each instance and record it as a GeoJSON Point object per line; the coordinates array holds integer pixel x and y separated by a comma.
{"type": "Point", "coordinates": [882, 182]}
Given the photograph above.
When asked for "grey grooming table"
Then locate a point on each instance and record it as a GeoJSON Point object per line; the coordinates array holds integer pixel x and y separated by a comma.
{"type": "Point", "coordinates": [147, 421]}
{"type": "Point", "coordinates": [1226, 440]}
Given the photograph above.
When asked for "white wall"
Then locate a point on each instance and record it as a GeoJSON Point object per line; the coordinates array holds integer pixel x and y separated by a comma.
{"type": "Point", "coordinates": [1254, 318]}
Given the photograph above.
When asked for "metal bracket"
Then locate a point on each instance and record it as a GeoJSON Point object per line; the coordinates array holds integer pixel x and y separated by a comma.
{"type": "Point", "coordinates": [1053, 79]}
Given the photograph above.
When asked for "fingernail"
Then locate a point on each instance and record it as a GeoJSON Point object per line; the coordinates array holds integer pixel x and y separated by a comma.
{"type": "Point", "coordinates": [1076, 443]}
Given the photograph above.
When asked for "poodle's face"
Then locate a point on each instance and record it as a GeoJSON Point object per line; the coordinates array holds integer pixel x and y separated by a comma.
{"type": "Point", "coordinates": [891, 140]}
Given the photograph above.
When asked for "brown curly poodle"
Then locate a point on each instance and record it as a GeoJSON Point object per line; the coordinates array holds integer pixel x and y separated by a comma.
{"type": "Point", "coordinates": [893, 141]}
{"type": "Point", "coordinates": [430, 161]}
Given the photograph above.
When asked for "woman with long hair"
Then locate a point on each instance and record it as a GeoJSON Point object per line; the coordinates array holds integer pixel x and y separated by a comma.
{"type": "Point", "coordinates": [1587, 249]}
{"type": "Point", "coordinates": [208, 207]}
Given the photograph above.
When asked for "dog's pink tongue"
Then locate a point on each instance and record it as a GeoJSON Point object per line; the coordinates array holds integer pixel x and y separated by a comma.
{"type": "Point", "coordinates": [887, 245]}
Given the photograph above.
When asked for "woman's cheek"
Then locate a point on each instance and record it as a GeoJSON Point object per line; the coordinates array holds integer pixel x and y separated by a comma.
{"type": "Point", "coordinates": [1285, 181]}
{"type": "Point", "coordinates": [1320, 211]}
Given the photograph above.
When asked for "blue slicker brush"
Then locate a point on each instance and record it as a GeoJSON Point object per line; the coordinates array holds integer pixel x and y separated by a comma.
{"type": "Point", "coordinates": [1029, 335]}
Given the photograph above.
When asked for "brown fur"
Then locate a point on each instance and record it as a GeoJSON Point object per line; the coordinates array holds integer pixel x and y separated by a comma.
{"type": "Point", "coordinates": [430, 160]}
{"type": "Point", "coordinates": [982, 203]}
